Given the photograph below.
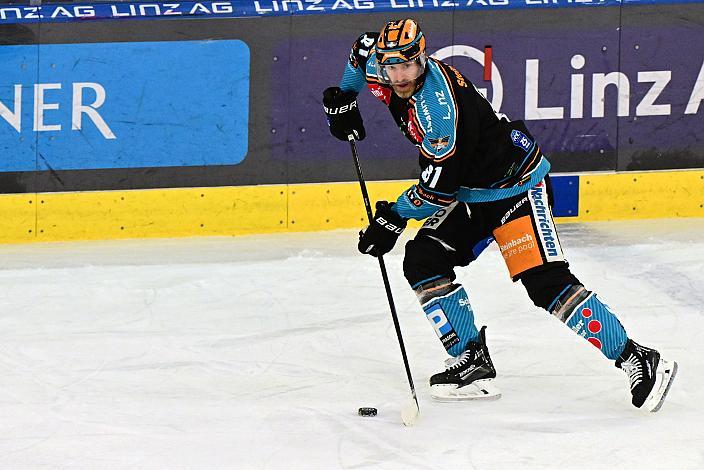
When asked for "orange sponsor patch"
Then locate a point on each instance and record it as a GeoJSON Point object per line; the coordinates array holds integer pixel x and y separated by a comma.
{"type": "Point", "coordinates": [519, 245]}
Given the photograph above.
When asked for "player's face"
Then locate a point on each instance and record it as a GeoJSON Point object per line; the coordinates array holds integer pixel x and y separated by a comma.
{"type": "Point", "coordinates": [403, 77]}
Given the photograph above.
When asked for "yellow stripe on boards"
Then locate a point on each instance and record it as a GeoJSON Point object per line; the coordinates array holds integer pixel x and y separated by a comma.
{"type": "Point", "coordinates": [658, 194]}
{"type": "Point", "coordinates": [242, 210]}
{"type": "Point", "coordinates": [161, 213]}
{"type": "Point", "coordinates": [337, 205]}
{"type": "Point", "coordinates": [18, 213]}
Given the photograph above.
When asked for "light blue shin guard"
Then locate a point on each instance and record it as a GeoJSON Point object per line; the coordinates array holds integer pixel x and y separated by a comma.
{"type": "Point", "coordinates": [452, 318]}
{"type": "Point", "coordinates": [593, 321]}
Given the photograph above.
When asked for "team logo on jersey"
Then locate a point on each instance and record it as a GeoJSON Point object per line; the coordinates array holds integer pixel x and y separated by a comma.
{"type": "Point", "coordinates": [441, 143]}
{"type": "Point", "coordinates": [521, 140]}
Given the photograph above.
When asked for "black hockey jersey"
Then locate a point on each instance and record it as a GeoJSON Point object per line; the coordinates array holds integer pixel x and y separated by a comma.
{"type": "Point", "coordinates": [467, 152]}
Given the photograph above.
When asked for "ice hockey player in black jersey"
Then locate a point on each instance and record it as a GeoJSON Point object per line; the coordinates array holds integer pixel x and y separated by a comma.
{"type": "Point", "coordinates": [482, 178]}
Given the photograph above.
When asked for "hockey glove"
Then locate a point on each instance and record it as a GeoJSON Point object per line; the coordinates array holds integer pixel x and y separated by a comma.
{"type": "Point", "coordinates": [343, 114]}
{"type": "Point", "coordinates": [381, 235]}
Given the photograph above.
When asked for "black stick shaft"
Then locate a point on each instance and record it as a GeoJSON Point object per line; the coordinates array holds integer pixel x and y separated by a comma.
{"type": "Point", "coordinates": [382, 266]}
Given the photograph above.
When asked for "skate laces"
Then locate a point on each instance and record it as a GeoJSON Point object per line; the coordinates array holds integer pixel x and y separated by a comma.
{"type": "Point", "coordinates": [459, 361]}
{"type": "Point", "coordinates": [632, 368]}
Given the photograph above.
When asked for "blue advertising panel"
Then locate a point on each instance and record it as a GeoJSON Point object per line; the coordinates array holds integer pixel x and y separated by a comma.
{"type": "Point", "coordinates": [124, 105]}
{"type": "Point", "coordinates": [18, 70]}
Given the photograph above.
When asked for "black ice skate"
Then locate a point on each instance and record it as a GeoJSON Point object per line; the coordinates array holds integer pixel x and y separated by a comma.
{"type": "Point", "coordinates": [468, 376]}
{"type": "Point", "coordinates": [650, 376]}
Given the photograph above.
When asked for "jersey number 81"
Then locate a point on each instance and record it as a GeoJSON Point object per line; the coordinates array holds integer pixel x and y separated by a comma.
{"type": "Point", "coordinates": [431, 171]}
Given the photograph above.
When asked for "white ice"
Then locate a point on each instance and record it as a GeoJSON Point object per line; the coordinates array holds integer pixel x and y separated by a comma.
{"type": "Point", "coordinates": [256, 352]}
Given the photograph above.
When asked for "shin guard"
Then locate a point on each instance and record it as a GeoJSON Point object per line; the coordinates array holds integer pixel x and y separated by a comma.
{"type": "Point", "coordinates": [590, 318]}
{"type": "Point", "coordinates": [448, 309]}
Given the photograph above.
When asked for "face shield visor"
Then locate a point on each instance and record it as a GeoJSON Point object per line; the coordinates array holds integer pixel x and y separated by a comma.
{"type": "Point", "coordinates": [382, 71]}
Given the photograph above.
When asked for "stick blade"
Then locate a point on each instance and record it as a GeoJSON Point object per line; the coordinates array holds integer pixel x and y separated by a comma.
{"type": "Point", "coordinates": [409, 415]}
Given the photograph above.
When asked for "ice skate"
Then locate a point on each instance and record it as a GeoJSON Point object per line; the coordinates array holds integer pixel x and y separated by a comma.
{"type": "Point", "coordinates": [650, 376]}
{"type": "Point", "coordinates": [468, 376]}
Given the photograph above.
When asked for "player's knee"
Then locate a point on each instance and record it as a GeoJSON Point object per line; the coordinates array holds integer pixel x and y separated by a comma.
{"type": "Point", "coordinates": [567, 301]}
{"type": "Point", "coordinates": [426, 260]}
{"type": "Point", "coordinates": [546, 283]}
{"type": "Point", "coordinates": [434, 288]}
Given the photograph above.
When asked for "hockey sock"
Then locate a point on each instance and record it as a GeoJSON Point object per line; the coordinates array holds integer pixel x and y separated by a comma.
{"type": "Point", "coordinates": [590, 318]}
{"type": "Point", "coordinates": [448, 310]}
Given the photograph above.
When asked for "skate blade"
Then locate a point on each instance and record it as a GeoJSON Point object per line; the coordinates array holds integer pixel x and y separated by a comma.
{"type": "Point", "coordinates": [477, 390]}
{"type": "Point", "coordinates": [666, 372]}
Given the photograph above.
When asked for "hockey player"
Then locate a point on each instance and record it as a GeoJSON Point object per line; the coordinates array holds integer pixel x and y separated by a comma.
{"type": "Point", "coordinates": [482, 178]}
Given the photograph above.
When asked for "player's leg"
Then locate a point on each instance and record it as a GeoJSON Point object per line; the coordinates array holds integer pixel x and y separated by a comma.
{"type": "Point", "coordinates": [529, 243]}
{"type": "Point", "coordinates": [587, 315]}
{"type": "Point", "coordinates": [429, 264]}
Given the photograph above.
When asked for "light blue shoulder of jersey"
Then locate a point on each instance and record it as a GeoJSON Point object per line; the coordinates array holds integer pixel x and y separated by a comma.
{"type": "Point", "coordinates": [371, 69]}
{"type": "Point", "coordinates": [475, 195]}
{"type": "Point", "coordinates": [410, 205]}
{"type": "Point", "coordinates": [437, 114]}
{"type": "Point", "coordinates": [354, 78]}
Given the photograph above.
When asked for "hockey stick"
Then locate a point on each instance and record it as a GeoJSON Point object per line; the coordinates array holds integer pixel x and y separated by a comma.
{"type": "Point", "coordinates": [410, 413]}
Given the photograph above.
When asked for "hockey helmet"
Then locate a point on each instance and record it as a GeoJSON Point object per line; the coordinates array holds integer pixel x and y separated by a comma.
{"type": "Point", "coordinates": [400, 41]}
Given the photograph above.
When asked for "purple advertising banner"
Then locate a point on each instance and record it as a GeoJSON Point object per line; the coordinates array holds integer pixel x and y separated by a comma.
{"type": "Point", "coordinates": [664, 126]}
{"type": "Point", "coordinates": [596, 95]}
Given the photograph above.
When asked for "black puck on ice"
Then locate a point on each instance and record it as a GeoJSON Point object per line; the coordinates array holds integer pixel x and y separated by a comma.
{"type": "Point", "coordinates": [366, 411]}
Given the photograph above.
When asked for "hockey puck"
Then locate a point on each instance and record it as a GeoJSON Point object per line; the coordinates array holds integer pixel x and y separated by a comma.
{"type": "Point", "coordinates": [366, 411]}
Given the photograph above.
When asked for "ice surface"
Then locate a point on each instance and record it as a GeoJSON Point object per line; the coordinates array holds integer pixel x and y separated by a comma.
{"type": "Point", "coordinates": [255, 353]}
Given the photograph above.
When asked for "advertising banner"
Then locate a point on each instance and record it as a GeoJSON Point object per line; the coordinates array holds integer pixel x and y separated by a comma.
{"type": "Point", "coordinates": [91, 105]}
{"type": "Point", "coordinates": [106, 10]}
{"type": "Point", "coordinates": [124, 105]}
{"type": "Point", "coordinates": [83, 11]}
{"type": "Point", "coordinates": [559, 82]}
{"type": "Point", "coordinates": [600, 90]}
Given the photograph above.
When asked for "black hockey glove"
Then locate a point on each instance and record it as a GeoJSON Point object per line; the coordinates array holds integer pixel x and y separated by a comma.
{"type": "Point", "coordinates": [381, 235]}
{"type": "Point", "coordinates": [343, 114]}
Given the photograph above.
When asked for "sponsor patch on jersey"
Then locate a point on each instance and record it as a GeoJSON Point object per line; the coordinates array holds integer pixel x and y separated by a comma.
{"type": "Point", "coordinates": [519, 139]}
{"type": "Point", "coordinates": [437, 318]}
{"type": "Point", "coordinates": [441, 143]}
{"type": "Point", "coordinates": [411, 127]}
{"type": "Point", "coordinates": [518, 244]}
{"type": "Point", "coordinates": [434, 198]}
{"type": "Point", "coordinates": [434, 221]}
{"type": "Point", "coordinates": [384, 94]}
{"type": "Point", "coordinates": [411, 195]}
{"type": "Point", "coordinates": [544, 223]}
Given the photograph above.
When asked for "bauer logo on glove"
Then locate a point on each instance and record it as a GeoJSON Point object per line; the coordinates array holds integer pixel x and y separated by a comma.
{"type": "Point", "coordinates": [389, 226]}
{"type": "Point", "coordinates": [343, 114]}
{"type": "Point", "coordinates": [381, 235]}
{"type": "Point", "coordinates": [341, 109]}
